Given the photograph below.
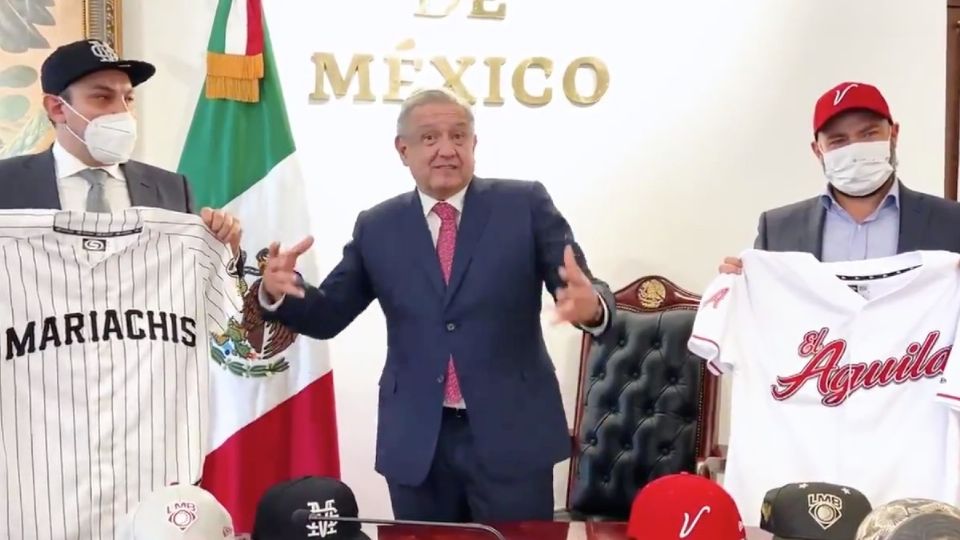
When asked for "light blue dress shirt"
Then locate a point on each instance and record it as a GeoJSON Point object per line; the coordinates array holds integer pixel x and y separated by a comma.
{"type": "Point", "coordinates": [846, 240]}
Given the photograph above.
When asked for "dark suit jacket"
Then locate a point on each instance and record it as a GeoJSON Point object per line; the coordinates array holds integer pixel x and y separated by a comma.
{"type": "Point", "coordinates": [31, 182]}
{"type": "Point", "coordinates": [926, 223]}
{"type": "Point", "coordinates": [509, 244]}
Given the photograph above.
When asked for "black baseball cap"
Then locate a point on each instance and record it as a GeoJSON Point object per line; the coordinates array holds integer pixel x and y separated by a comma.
{"type": "Point", "coordinates": [293, 509]}
{"type": "Point", "coordinates": [76, 60]}
{"type": "Point", "coordinates": [813, 511]}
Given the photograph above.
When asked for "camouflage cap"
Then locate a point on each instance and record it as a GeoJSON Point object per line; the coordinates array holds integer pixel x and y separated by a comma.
{"type": "Point", "coordinates": [927, 527]}
{"type": "Point", "coordinates": [881, 522]}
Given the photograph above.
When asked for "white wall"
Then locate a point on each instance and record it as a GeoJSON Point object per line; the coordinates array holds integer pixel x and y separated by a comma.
{"type": "Point", "coordinates": [706, 123]}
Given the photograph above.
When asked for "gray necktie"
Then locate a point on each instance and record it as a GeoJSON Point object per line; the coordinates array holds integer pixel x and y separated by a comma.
{"type": "Point", "coordinates": [97, 196]}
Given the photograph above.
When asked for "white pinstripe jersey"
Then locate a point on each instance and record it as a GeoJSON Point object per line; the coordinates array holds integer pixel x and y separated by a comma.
{"type": "Point", "coordinates": [838, 373]}
{"type": "Point", "coordinates": [104, 362]}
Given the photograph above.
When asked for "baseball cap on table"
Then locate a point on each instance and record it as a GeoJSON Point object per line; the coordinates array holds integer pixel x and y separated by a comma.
{"type": "Point", "coordinates": [813, 511]}
{"type": "Point", "coordinates": [885, 518]}
{"type": "Point", "coordinates": [180, 512]}
{"type": "Point", "coordinates": [684, 506]}
{"type": "Point", "coordinates": [291, 510]}
{"type": "Point", "coordinates": [849, 96]}
{"type": "Point", "coordinates": [927, 527]}
{"type": "Point", "coordinates": [76, 60]}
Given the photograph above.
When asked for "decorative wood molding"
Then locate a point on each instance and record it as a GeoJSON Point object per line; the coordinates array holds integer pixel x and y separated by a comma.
{"type": "Point", "coordinates": [103, 20]}
{"type": "Point", "coordinates": [655, 293]}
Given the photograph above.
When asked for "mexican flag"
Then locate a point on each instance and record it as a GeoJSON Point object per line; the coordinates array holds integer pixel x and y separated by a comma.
{"type": "Point", "coordinates": [272, 415]}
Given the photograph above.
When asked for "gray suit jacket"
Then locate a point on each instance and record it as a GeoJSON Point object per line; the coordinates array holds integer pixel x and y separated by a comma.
{"type": "Point", "coordinates": [926, 223]}
{"type": "Point", "coordinates": [31, 182]}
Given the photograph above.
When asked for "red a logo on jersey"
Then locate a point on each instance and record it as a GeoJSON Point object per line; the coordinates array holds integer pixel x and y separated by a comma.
{"type": "Point", "coordinates": [836, 383]}
{"type": "Point", "coordinates": [717, 298]}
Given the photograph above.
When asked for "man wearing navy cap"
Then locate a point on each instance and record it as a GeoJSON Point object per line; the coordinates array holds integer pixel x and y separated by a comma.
{"type": "Point", "coordinates": [88, 91]}
{"type": "Point", "coordinates": [865, 211]}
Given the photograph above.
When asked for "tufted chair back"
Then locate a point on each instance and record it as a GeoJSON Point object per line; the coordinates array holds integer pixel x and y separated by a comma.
{"type": "Point", "coordinates": [646, 406]}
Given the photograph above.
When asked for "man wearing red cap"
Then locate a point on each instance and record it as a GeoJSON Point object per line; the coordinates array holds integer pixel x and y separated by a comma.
{"type": "Point", "coordinates": [865, 211]}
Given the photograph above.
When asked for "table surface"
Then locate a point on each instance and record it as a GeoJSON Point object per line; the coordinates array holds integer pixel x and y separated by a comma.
{"type": "Point", "coordinates": [519, 531]}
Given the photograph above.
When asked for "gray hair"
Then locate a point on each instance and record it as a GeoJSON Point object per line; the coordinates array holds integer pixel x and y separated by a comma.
{"type": "Point", "coordinates": [428, 97]}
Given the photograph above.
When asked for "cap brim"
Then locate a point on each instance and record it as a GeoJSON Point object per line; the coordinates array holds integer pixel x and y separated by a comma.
{"type": "Point", "coordinates": [846, 110]}
{"type": "Point", "coordinates": [138, 71]}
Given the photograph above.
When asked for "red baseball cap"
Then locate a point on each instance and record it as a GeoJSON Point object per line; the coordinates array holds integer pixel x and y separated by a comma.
{"type": "Point", "coordinates": [846, 96]}
{"type": "Point", "coordinates": [684, 506]}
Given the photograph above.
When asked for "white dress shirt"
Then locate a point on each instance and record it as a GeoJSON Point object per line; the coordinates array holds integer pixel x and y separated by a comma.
{"type": "Point", "coordinates": [73, 188]}
{"type": "Point", "coordinates": [433, 220]}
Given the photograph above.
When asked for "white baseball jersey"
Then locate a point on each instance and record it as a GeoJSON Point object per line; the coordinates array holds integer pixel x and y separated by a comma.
{"type": "Point", "coordinates": [105, 324]}
{"type": "Point", "coordinates": [836, 373]}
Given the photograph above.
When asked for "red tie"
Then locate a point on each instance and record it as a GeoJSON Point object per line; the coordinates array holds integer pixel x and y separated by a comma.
{"type": "Point", "coordinates": [446, 244]}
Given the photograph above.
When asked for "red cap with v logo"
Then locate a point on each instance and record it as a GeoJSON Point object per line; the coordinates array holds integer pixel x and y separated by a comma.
{"type": "Point", "coordinates": [847, 96]}
{"type": "Point", "coordinates": [684, 507]}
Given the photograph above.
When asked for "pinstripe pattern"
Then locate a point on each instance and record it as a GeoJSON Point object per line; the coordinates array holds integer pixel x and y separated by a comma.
{"type": "Point", "coordinates": [104, 363]}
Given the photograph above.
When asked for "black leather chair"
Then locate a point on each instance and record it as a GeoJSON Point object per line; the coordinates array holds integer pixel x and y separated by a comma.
{"type": "Point", "coordinates": [646, 406]}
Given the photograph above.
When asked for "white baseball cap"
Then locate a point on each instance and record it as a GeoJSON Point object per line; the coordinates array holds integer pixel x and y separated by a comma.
{"type": "Point", "coordinates": [181, 512]}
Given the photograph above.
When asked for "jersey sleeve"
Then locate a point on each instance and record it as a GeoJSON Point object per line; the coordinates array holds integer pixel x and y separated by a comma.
{"type": "Point", "coordinates": [219, 282]}
{"type": "Point", "coordinates": [223, 289]}
{"type": "Point", "coordinates": [712, 326]}
{"type": "Point", "coordinates": [948, 391]}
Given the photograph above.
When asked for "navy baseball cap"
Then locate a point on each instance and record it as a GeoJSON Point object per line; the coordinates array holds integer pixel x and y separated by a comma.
{"type": "Point", "coordinates": [295, 509]}
{"type": "Point", "coordinates": [76, 60]}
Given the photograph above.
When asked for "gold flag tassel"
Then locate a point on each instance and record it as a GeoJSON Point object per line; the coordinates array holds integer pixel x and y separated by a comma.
{"type": "Point", "coordinates": [234, 76]}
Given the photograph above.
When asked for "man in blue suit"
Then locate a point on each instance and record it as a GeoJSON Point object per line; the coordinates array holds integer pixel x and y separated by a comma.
{"type": "Point", "coordinates": [470, 420]}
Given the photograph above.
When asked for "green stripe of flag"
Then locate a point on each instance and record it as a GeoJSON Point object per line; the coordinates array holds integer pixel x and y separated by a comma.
{"type": "Point", "coordinates": [232, 145]}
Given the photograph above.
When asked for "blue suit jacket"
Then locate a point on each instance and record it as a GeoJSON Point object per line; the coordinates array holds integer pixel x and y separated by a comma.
{"type": "Point", "coordinates": [510, 242]}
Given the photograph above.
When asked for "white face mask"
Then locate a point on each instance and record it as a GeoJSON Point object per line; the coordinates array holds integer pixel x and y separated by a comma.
{"type": "Point", "coordinates": [110, 138]}
{"type": "Point", "coordinates": [860, 168]}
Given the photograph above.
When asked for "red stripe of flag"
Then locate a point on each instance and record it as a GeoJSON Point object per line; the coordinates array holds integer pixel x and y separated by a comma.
{"type": "Point", "coordinates": [254, 27]}
{"type": "Point", "coordinates": [297, 438]}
